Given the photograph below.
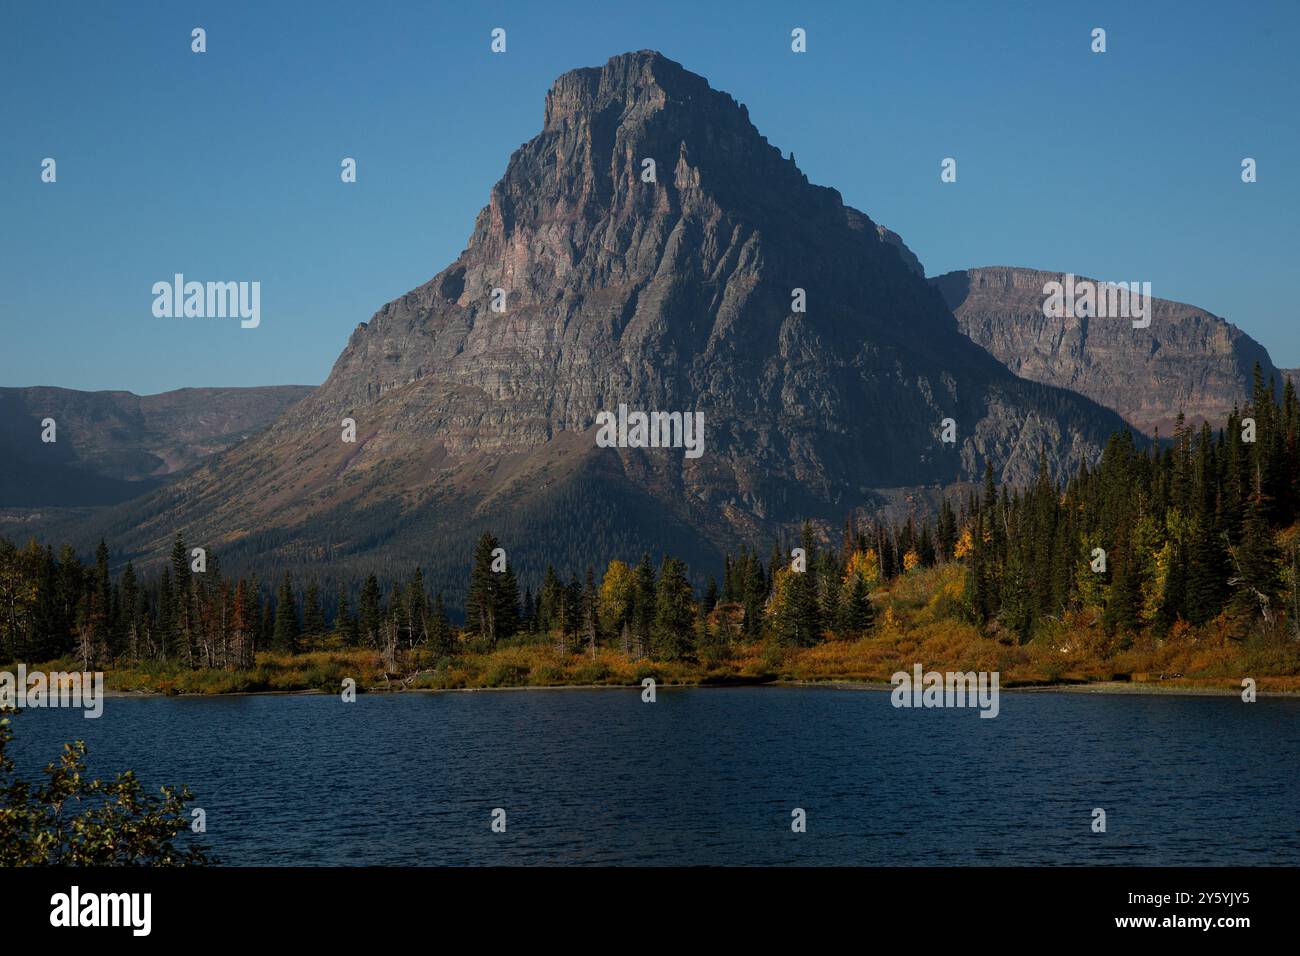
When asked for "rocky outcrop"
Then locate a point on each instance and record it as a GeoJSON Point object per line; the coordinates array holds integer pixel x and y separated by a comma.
{"type": "Point", "coordinates": [909, 258]}
{"type": "Point", "coordinates": [1187, 360]}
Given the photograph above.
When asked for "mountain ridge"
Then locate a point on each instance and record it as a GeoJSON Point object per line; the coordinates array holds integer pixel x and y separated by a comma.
{"type": "Point", "coordinates": [113, 444]}
{"type": "Point", "coordinates": [671, 294]}
{"type": "Point", "coordinates": [1187, 360]}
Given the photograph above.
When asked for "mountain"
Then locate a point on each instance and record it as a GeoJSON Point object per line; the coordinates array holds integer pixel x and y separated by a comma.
{"type": "Point", "coordinates": [111, 446]}
{"type": "Point", "coordinates": [1187, 360]}
{"type": "Point", "coordinates": [671, 295]}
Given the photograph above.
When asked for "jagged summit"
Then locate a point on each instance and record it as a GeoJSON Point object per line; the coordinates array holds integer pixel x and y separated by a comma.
{"type": "Point", "coordinates": [602, 123]}
{"type": "Point", "coordinates": [645, 79]}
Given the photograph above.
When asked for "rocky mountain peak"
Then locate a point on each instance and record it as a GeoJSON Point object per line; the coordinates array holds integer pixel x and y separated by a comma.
{"type": "Point", "coordinates": [603, 124]}
{"type": "Point", "coordinates": [724, 286]}
{"type": "Point", "coordinates": [637, 83]}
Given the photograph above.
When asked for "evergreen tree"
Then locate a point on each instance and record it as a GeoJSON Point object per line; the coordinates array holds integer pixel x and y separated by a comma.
{"type": "Point", "coordinates": [284, 637]}
{"type": "Point", "coordinates": [643, 606]}
{"type": "Point", "coordinates": [805, 610]}
{"type": "Point", "coordinates": [345, 625]}
{"type": "Point", "coordinates": [572, 626]}
{"type": "Point", "coordinates": [1207, 573]}
{"type": "Point", "coordinates": [440, 636]}
{"type": "Point", "coordinates": [1257, 582]}
{"type": "Point", "coordinates": [550, 602]}
{"type": "Point", "coordinates": [590, 621]}
{"type": "Point", "coordinates": [369, 616]}
{"type": "Point", "coordinates": [492, 605]}
{"type": "Point", "coordinates": [754, 591]}
{"type": "Point", "coordinates": [313, 618]}
{"type": "Point", "coordinates": [710, 595]}
{"type": "Point", "coordinates": [674, 613]}
{"type": "Point", "coordinates": [481, 603]}
{"type": "Point", "coordinates": [182, 631]}
{"type": "Point", "coordinates": [859, 617]}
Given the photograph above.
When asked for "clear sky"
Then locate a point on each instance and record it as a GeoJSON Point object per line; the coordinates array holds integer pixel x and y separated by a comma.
{"type": "Point", "coordinates": [225, 166]}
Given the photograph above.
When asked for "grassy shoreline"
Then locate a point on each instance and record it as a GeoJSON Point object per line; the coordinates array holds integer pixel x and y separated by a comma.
{"type": "Point", "coordinates": [1100, 687]}
{"type": "Point", "coordinates": [917, 622]}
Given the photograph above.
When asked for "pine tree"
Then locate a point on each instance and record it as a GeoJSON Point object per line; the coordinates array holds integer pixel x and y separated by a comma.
{"type": "Point", "coordinates": [284, 638]}
{"type": "Point", "coordinates": [132, 624]}
{"type": "Point", "coordinates": [754, 590]}
{"type": "Point", "coordinates": [1257, 583]}
{"type": "Point", "coordinates": [506, 598]}
{"type": "Point", "coordinates": [946, 533]}
{"type": "Point", "coordinates": [266, 625]}
{"type": "Point", "coordinates": [415, 610]}
{"type": "Point", "coordinates": [674, 614]}
{"type": "Point", "coordinates": [590, 622]}
{"type": "Point", "coordinates": [345, 625]}
{"type": "Point", "coordinates": [440, 636]}
{"type": "Point", "coordinates": [313, 618]}
{"type": "Point", "coordinates": [643, 606]}
{"type": "Point", "coordinates": [182, 635]}
{"type": "Point", "coordinates": [1207, 573]}
{"type": "Point", "coordinates": [369, 616]}
{"type": "Point", "coordinates": [859, 616]}
{"type": "Point", "coordinates": [572, 626]}
{"type": "Point", "coordinates": [710, 595]}
{"type": "Point", "coordinates": [482, 601]}
{"type": "Point", "coordinates": [550, 602]}
{"type": "Point", "coordinates": [805, 609]}
{"type": "Point", "coordinates": [242, 629]}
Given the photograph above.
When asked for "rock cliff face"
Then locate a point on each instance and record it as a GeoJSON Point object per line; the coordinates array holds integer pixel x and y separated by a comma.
{"type": "Point", "coordinates": [1187, 360]}
{"type": "Point", "coordinates": [667, 295]}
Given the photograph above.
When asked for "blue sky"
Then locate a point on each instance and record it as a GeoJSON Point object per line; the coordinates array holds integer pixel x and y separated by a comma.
{"type": "Point", "coordinates": [1123, 165]}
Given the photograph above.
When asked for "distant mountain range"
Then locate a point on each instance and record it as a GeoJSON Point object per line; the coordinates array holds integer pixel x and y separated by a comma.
{"type": "Point", "coordinates": [670, 287]}
{"type": "Point", "coordinates": [111, 446]}
{"type": "Point", "coordinates": [1187, 360]}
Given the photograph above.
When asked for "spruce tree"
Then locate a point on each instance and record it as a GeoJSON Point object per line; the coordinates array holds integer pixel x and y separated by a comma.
{"type": "Point", "coordinates": [345, 625]}
{"type": "Point", "coordinates": [482, 602]}
{"type": "Point", "coordinates": [672, 635]}
{"type": "Point", "coordinates": [643, 605]}
{"type": "Point", "coordinates": [440, 636]}
{"type": "Point", "coordinates": [549, 601]}
{"type": "Point", "coordinates": [805, 609]}
{"type": "Point", "coordinates": [284, 638]}
{"type": "Point", "coordinates": [1257, 583]}
{"type": "Point", "coordinates": [368, 612]}
{"type": "Point", "coordinates": [313, 618]}
{"type": "Point", "coordinates": [859, 616]}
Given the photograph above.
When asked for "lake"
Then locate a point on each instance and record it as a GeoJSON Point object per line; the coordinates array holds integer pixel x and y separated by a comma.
{"type": "Point", "coordinates": [710, 776]}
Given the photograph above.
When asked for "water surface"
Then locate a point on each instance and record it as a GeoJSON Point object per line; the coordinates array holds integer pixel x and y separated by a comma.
{"type": "Point", "coordinates": [710, 776]}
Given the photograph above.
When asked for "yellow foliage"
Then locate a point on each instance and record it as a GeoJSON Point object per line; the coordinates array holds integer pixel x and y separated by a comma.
{"type": "Point", "coordinates": [862, 564]}
{"type": "Point", "coordinates": [965, 544]}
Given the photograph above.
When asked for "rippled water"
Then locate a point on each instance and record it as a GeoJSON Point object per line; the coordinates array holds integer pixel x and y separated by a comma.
{"type": "Point", "coordinates": [710, 776]}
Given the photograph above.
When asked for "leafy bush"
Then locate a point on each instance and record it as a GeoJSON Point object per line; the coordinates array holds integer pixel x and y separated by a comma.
{"type": "Point", "coordinates": [75, 821]}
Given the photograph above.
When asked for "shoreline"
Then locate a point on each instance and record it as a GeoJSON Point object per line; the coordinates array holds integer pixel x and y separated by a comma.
{"type": "Point", "coordinates": [1097, 687]}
